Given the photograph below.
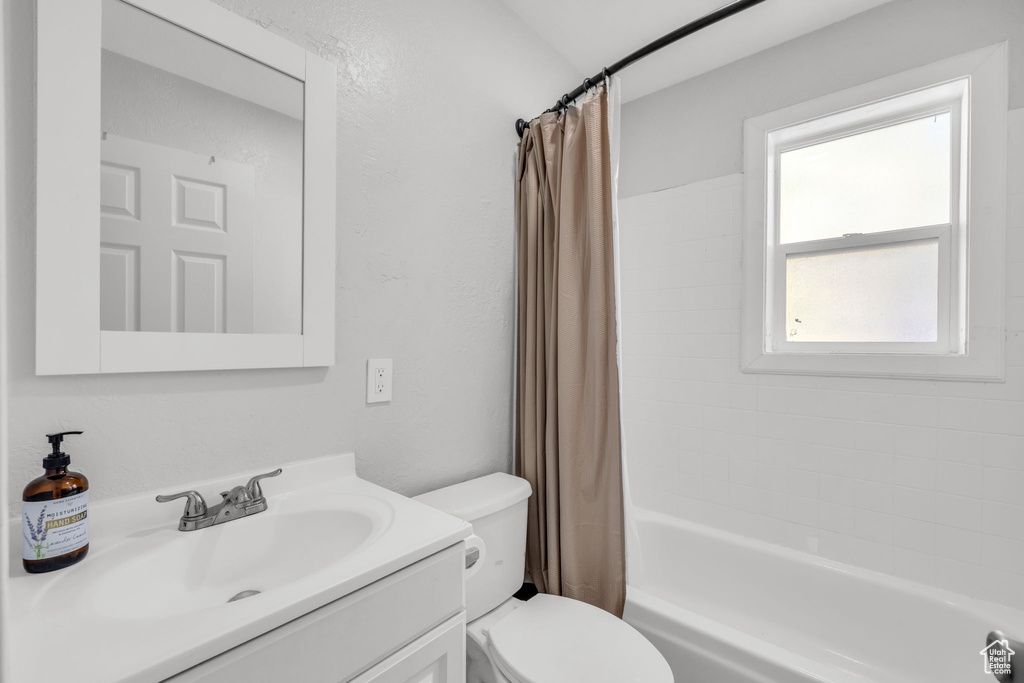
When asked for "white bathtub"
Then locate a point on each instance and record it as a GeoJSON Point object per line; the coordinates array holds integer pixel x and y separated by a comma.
{"type": "Point", "coordinates": [726, 609]}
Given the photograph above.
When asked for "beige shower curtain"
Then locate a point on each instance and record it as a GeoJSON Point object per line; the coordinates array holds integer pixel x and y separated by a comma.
{"type": "Point", "coordinates": [568, 444]}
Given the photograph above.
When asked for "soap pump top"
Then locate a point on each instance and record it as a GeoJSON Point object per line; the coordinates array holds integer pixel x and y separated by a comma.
{"type": "Point", "coordinates": [57, 458]}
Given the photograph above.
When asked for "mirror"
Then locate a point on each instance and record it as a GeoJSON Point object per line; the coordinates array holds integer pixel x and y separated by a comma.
{"type": "Point", "coordinates": [185, 204]}
{"type": "Point", "coordinates": [200, 184]}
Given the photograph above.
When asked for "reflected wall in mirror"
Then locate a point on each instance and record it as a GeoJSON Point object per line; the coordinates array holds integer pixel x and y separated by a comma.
{"type": "Point", "coordinates": [201, 184]}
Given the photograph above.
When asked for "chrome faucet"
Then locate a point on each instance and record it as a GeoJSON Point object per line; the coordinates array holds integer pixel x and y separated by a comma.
{"type": "Point", "coordinates": [239, 502]}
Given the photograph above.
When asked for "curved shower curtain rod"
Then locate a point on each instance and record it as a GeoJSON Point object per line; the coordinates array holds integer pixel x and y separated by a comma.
{"type": "Point", "coordinates": [667, 39]}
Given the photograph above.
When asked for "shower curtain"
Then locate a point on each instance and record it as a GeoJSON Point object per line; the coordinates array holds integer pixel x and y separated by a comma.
{"type": "Point", "coordinates": [568, 425]}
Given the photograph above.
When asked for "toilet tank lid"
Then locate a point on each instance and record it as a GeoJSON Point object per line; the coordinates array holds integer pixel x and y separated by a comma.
{"type": "Point", "coordinates": [477, 498]}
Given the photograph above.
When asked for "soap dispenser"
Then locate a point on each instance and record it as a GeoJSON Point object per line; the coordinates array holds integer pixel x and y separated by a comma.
{"type": "Point", "coordinates": [55, 514]}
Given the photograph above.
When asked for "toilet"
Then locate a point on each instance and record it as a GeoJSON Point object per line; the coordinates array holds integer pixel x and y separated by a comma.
{"type": "Point", "coordinates": [546, 639]}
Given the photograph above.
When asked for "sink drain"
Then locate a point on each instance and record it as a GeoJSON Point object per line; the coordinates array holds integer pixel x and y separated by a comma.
{"type": "Point", "coordinates": [243, 595]}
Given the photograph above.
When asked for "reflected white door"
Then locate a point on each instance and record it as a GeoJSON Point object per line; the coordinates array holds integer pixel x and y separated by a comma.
{"type": "Point", "coordinates": [177, 240]}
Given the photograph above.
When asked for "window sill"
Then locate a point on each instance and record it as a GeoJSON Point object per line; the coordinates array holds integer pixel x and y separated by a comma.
{"type": "Point", "coordinates": [983, 362]}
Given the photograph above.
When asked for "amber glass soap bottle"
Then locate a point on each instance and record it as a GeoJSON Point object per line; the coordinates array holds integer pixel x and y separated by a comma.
{"type": "Point", "coordinates": [55, 514]}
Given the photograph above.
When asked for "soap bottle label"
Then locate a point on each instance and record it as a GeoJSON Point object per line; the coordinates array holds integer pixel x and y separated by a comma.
{"type": "Point", "coordinates": [51, 528]}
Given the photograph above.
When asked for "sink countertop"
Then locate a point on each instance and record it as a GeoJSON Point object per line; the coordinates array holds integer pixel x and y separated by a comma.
{"type": "Point", "coordinates": [58, 617]}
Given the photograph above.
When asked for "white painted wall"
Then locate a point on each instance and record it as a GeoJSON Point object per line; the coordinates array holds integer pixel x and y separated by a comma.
{"type": "Point", "coordinates": [921, 479]}
{"type": "Point", "coordinates": [694, 130]}
{"type": "Point", "coordinates": [427, 97]}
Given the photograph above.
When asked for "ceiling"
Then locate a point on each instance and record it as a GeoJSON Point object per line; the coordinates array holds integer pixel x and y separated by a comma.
{"type": "Point", "coordinates": [592, 34]}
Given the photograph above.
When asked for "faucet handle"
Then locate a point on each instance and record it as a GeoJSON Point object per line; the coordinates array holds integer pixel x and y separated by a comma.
{"type": "Point", "coordinates": [253, 487]}
{"type": "Point", "coordinates": [195, 506]}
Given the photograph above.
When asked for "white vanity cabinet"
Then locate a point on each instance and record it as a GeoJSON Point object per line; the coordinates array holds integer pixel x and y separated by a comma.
{"type": "Point", "coordinates": [438, 657]}
{"type": "Point", "coordinates": [354, 583]}
{"type": "Point", "coordinates": [408, 627]}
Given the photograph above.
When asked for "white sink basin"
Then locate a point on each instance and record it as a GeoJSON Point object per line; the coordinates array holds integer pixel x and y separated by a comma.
{"type": "Point", "coordinates": [150, 601]}
{"type": "Point", "coordinates": [172, 572]}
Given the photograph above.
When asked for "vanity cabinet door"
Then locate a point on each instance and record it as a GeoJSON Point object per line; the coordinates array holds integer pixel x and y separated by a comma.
{"type": "Point", "coordinates": [437, 657]}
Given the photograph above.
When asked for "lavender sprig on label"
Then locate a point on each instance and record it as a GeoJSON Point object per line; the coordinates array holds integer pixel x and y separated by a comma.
{"type": "Point", "coordinates": [40, 531]}
{"type": "Point", "coordinates": [31, 529]}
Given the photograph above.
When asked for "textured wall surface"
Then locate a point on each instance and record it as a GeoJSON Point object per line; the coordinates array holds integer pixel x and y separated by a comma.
{"type": "Point", "coordinates": [921, 479]}
{"type": "Point", "coordinates": [427, 95]}
{"type": "Point", "coordinates": [694, 130]}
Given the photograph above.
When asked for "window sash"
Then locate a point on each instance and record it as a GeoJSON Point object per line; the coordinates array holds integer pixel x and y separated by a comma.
{"type": "Point", "coordinates": [946, 318]}
{"type": "Point", "coordinates": [946, 98]}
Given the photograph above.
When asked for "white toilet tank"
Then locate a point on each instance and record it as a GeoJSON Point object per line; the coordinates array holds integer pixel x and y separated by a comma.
{"type": "Point", "coordinates": [496, 507]}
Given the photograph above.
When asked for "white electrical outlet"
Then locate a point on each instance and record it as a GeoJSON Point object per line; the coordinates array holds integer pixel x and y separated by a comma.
{"type": "Point", "coordinates": [378, 380]}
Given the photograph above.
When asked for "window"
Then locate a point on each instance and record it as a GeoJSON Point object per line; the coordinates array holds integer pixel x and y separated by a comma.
{"type": "Point", "coordinates": [875, 222]}
{"type": "Point", "coordinates": [865, 246]}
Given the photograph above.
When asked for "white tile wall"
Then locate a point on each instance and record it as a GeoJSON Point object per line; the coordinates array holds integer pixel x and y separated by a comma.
{"type": "Point", "coordinates": [921, 479]}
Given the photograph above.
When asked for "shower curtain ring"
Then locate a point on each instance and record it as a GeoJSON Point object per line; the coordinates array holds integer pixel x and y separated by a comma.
{"type": "Point", "coordinates": [586, 84]}
{"type": "Point", "coordinates": [565, 100]}
{"type": "Point", "coordinates": [605, 74]}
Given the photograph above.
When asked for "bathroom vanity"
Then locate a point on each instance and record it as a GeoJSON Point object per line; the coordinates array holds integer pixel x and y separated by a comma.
{"type": "Point", "coordinates": [338, 580]}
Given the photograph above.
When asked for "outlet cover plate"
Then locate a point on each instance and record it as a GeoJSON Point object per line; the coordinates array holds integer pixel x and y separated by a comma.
{"type": "Point", "coordinates": [378, 380]}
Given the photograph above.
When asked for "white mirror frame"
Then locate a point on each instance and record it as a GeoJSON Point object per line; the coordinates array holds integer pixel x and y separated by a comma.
{"type": "Point", "coordinates": [68, 336]}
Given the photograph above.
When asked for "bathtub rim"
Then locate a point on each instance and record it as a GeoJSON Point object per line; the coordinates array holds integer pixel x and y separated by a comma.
{"type": "Point", "coordinates": [1007, 618]}
{"type": "Point", "coordinates": [649, 613]}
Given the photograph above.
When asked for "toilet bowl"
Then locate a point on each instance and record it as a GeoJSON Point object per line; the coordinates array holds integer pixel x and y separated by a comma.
{"type": "Point", "coordinates": [548, 638]}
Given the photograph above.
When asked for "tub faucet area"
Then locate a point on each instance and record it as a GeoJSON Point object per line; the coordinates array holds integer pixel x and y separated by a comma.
{"type": "Point", "coordinates": [241, 501]}
{"type": "Point", "coordinates": [999, 651]}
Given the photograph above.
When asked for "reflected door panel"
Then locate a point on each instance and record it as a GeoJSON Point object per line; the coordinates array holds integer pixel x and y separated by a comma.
{"type": "Point", "coordinates": [178, 245]}
{"type": "Point", "coordinates": [119, 285]}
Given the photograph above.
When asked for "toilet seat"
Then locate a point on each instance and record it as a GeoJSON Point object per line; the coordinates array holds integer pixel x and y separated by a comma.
{"type": "Point", "coordinates": [551, 639]}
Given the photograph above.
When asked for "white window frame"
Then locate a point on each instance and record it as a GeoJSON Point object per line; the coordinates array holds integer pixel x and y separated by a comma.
{"type": "Point", "coordinates": [973, 89]}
